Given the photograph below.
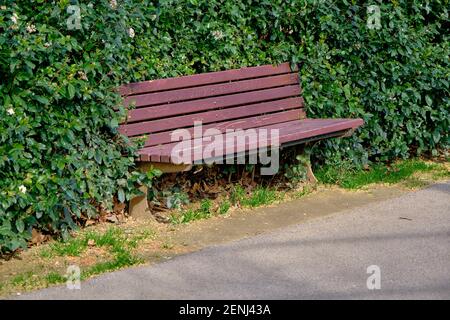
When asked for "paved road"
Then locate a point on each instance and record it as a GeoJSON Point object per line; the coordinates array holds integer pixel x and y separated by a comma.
{"type": "Point", "coordinates": [326, 258]}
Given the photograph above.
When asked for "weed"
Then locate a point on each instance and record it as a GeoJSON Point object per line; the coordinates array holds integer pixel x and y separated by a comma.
{"type": "Point", "coordinates": [73, 247]}
{"type": "Point", "coordinates": [191, 215]}
{"type": "Point", "coordinates": [259, 197]}
{"type": "Point", "coordinates": [224, 207]}
{"type": "Point", "coordinates": [237, 194]}
{"type": "Point", "coordinates": [22, 279]}
{"type": "Point", "coordinates": [54, 278]}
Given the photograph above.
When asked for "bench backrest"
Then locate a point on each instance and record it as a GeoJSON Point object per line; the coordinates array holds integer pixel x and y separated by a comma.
{"type": "Point", "coordinates": [233, 99]}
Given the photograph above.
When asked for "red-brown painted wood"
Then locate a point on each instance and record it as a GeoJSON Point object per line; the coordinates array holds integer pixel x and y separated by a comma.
{"type": "Point", "coordinates": [232, 100]}
{"type": "Point", "coordinates": [140, 128]}
{"type": "Point", "coordinates": [253, 122]}
{"type": "Point", "coordinates": [203, 79]}
{"type": "Point", "coordinates": [212, 90]}
{"type": "Point", "coordinates": [167, 148]}
{"type": "Point", "coordinates": [289, 131]}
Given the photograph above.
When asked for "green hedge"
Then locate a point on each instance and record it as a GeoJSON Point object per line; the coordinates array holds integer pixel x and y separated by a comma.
{"type": "Point", "coordinates": [58, 127]}
{"type": "Point", "coordinates": [60, 155]}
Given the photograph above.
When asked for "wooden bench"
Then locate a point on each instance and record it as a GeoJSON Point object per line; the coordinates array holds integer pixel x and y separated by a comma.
{"type": "Point", "coordinates": [264, 97]}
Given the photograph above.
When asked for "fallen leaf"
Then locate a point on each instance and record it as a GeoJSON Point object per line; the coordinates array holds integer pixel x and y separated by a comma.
{"type": "Point", "coordinates": [89, 222]}
{"type": "Point", "coordinates": [112, 218]}
{"type": "Point", "coordinates": [37, 237]}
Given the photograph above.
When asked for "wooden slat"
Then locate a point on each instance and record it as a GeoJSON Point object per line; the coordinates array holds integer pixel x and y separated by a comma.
{"type": "Point", "coordinates": [166, 149]}
{"type": "Point", "coordinates": [203, 79]}
{"type": "Point", "coordinates": [155, 158]}
{"type": "Point", "coordinates": [245, 123]}
{"type": "Point", "coordinates": [291, 131]}
{"type": "Point", "coordinates": [168, 110]}
{"type": "Point", "coordinates": [198, 148]}
{"type": "Point", "coordinates": [212, 90]}
{"type": "Point", "coordinates": [317, 127]}
{"type": "Point", "coordinates": [140, 128]}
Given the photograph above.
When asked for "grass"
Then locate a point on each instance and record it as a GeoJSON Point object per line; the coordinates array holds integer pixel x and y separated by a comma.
{"type": "Point", "coordinates": [203, 212]}
{"type": "Point", "coordinates": [381, 173]}
{"type": "Point", "coordinates": [114, 239]}
{"type": "Point", "coordinates": [224, 207]}
{"type": "Point", "coordinates": [74, 247]}
{"type": "Point", "coordinates": [116, 243]}
{"type": "Point", "coordinates": [22, 279]}
{"type": "Point", "coordinates": [303, 192]}
{"type": "Point", "coordinates": [259, 197]}
{"type": "Point", "coordinates": [54, 278]}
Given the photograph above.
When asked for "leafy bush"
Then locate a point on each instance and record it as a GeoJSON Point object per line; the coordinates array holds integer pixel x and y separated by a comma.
{"type": "Point", "coordinates": [395, 77]}
{"type": "Point", "coordinates": [60, 155]}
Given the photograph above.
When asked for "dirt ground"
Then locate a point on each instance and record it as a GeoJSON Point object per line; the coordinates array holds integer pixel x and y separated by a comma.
{"type": "Point", "coordinates": [245, 223]}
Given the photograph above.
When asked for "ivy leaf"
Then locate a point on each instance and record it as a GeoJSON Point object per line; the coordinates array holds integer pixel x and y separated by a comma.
{"type": "Point", "coordinates": [114, 124]}
{"type": "Point", "coordinates": [436, 136]}
{"type": "Point", "coordinates": [19, 101]}
{"type": "Point", "coordinates": [42, 99]}
{"type": "Point", "coordinates": [20, 226]}
{"type": "Point", "coordinates": [71, 91]}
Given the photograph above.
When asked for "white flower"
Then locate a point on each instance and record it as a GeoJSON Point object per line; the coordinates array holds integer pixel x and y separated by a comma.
{"type": "Point", "coordinates": [23, 189]}
{"type": "Point", "coordinates": [131, 33]}
{"type": "Point", "coordinates": [82, 75]}
{"type": "Point", "coordinates": [10, 111]}
{"type": "Point", "coordinates": [47, 44]}
{"type": "Point", "coordinates": [113, 4]}
{"type": "Point", "coordinates": [217, 34]}
{"type": "Point", "coordinates": [14, 18]}
{"type": "Point", "coordinates": [31, 28]}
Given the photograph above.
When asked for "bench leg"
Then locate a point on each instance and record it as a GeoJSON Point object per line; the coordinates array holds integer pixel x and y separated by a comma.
{"type": "Point", "coordinates": [305, 159]}
{"type": "Point", "coordinates": [138, 207]}
{"type": "Point", "coordinates": [309, 173]}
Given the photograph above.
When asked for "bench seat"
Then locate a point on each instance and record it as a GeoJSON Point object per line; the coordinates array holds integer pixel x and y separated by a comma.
{"type": "Point", "coordinates": [290, 133]}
